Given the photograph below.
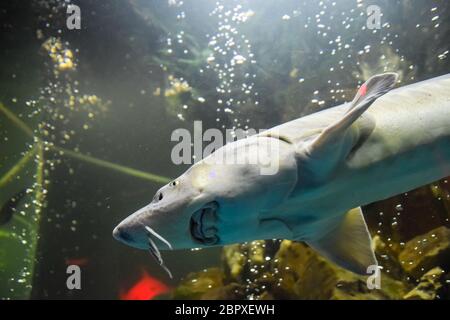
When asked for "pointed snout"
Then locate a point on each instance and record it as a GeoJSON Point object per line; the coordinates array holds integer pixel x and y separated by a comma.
{"type": "Point", "coordinates": [120, 234]}
{"type": "Point", "coordinates": [123, 234]}
{"type": "Point", "coordinates": [131, 233]}
{"type": "Point", "coordinates": [165, 229]}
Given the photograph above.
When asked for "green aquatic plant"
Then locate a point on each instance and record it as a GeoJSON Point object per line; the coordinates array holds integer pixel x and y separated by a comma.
{"type": "Point", "coordinates": [23, 190]}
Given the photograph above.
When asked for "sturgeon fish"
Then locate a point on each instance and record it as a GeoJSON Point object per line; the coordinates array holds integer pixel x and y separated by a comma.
{"type": "Point", "coordinates": [330, 163]}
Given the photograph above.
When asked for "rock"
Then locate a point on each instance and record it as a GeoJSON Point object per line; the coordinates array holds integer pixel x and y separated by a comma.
{"type": "Point", "coordinates": [310, 276]}
{"type": "Point", "coordinates": [209, 284]}
{"type": "Point", "coordinates": [296, 271]}
{"type": "Point", "coordinates": [429, 287]}
{"type": "Point", "coordinates": [387, 259]}
{"type": "Point", "coordinates": [234, 260]}
{"type": "Point", "coordinates": [266, 296]}
{"type": "Point", "coordinates": [231, 291]}
{"type": "Point", "coordinates": [426, 251]}
{"type": "Point", "coordinates": [198, 285]}
{"type": "Point", "coordinates": [240, 259]}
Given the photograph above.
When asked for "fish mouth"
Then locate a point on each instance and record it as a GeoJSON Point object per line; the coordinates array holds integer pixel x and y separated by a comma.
{"type": "Point", "coordinates": [203, 224]}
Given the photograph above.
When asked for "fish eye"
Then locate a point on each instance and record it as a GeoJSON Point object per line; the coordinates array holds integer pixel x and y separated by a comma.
{"type": "Point", "coordinates": [174, 183]}
{"type": "Point", "coordinates": [160, 196]}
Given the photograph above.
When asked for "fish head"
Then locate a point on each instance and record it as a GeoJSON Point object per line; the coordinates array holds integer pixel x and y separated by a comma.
{"type": "Point", "coordinates": [212, 203]}
{"type": "Point", "coordinates": [165, 213]}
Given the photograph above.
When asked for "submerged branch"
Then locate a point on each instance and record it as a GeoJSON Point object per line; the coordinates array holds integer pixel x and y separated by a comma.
{"type": "Point", "coordinates": [22, 221]}
{"type": "Point", "coordinates": [6, 234]}
{"type": "Point", "coordinates": [16, 120]}
{"type": "Point", "coordinates": [113, 166]}
{"type": "Point", "coordinates": [8, 176]}
{"type": "Point", "coordinates": [101, 163]}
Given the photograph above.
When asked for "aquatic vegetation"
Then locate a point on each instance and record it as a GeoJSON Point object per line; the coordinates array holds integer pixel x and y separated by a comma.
{"type": "Point", "coordinates": [61, 57]}
{"type": "Point", "coordinates": [297, 272]}
{"type": "Point", "coordinates": [20, 231]}
{"type": "Point", "coordinates": [426, 251]}
{"type": "Point", "coordinates": [177, 87]}
{"type": "Point", "coordinates": [196, 286]}
{"type": "Point", "coordinates": [34, 144]}
{"type": "Point", "coordinates": [432, 285]}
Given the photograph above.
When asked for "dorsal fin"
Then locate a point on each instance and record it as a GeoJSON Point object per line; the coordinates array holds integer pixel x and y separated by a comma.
{"type": "Point", "coordinates": [348, 243]}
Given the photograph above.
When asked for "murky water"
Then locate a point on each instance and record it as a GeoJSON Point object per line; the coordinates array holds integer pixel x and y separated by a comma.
{"type": "Point", "coordinates": [87, 115]}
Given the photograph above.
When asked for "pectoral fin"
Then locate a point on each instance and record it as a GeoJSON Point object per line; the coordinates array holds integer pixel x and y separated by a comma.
{"type": "Point", "coordinates": [371, 90]}
{"type": "Point", "coordinates": [334, 143]}
{"type": "Point", "coordinates": [348, 244]}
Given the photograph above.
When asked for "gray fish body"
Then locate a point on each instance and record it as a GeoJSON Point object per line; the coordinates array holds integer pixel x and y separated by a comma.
{"type": "Point", "coordinates": [329, 163]}
{"type": "Point", "coordinates": [400, 143]}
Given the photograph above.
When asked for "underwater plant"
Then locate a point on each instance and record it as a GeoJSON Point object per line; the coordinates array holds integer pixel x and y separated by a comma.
{"type": "Point", "coordinates": [33, 142]}
{"type": "Point", "coordinates": [23, 188]}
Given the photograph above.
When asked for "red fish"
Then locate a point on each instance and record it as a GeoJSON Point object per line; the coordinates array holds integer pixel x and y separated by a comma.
{"type": "Point", "coordinates": [146, 288]}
